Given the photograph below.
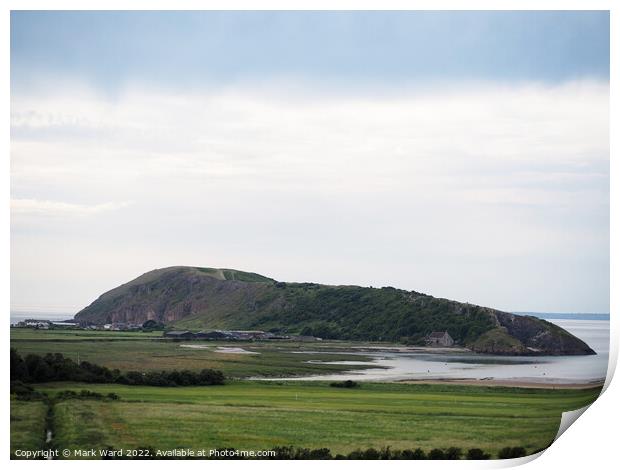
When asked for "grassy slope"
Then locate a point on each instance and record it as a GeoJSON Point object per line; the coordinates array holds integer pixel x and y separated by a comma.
{"type": "Point", "coordinates": [27, 425]}
{"type": "Point", "coordinates": [244, 300]}
{"type": "Point", "coordinates": [262, 415]}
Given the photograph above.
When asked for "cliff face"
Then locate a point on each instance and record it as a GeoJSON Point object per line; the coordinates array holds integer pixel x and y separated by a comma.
{"type": "Point", "coordinates": [171, 294]}
{"type": "Point", "coordinates": [198, 298]}
{"type": "Point", "coordinates": [541, 336]}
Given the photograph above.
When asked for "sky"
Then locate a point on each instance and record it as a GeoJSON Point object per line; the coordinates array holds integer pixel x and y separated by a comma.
{"type": "Point", "coordinates": [460, 154]}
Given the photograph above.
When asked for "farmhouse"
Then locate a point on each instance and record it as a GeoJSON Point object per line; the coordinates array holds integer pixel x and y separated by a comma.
{"type": "Point", "coordinates": [440, 338]}
{"type": "Point", "coordinates": [39, 324]}
{"type": "Point", "coordinates": [216, 334]}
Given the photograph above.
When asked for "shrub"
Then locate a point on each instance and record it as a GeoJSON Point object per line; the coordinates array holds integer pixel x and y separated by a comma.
{"type": "Point", "coordinates": [453, 453]}
{"type": "Point", "coordinates": [283, 453]}
{"type": "Point", "coordinates": [355, 455]}
{"type": "Point", "coordinates": [437, 454]}
{"type": "Point", "coordinates": [152, 325]}
{"type": "Point", "coordinates": [344, 384]}
{"type": "Point", "coordinates": [477, 454]}
{"type": "Point", "coordinates": [511, 453]}
{"type": "Point", "coordinates": [85, 395]}
{"type": "Point", "coordinates": [371, 454]}
{"type": "Point", "coordinates": [17, 386]}
{"type": "Point", "coordinates": [311, 454]}
{"type": "Point", "coordinates": [24, 392]}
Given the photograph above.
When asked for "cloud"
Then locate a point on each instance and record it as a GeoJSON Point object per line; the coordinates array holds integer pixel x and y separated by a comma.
{"type": "Point", "coordinates": [479, 192]}
{"type": "Point", "coordinates": [228, 133]}
{"type": "Point", "coordinates": [57, 208]}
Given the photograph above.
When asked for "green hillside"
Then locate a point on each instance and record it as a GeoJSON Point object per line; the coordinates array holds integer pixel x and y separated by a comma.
{"type": "Point", "coordinates": [209, 298]}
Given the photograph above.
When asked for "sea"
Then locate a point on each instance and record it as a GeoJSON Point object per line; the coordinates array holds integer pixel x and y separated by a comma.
{"type": "Point", "coordinates": [593, 328]}
{"type": "Point", "coordinates": [397, 366]}
{"type": "Point", "coordinates": [21, 315]}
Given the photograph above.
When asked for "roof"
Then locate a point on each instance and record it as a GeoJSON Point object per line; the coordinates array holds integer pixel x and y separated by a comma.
{"type": "Point", "coordinates": [438, 334]}
{"type": "Point", "coordinates": [177, 332]}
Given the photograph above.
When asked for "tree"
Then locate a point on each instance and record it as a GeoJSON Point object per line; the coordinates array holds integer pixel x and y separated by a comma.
{"type": "Point", "coordinates": [38, 370]}
{"type": "Point", "coordinates": [19, 371]}
{"type": "Point", "coordinates": [152, 325]}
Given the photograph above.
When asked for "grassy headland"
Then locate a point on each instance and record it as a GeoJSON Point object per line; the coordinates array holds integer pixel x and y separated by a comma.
{"type": "Point", "coordinates": [186, 297]}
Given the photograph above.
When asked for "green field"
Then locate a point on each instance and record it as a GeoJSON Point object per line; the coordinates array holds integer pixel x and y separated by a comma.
{"type": "Point", "coordinates": [255, 415]}
{"type": "Point", "coordinates": [27, 424]}
{"type": "Point", "coordinates": [30, 334]}
{"type": "Point", "coordinates": [260, 415]}
{"type": "Point", "coordinates": [148, 351]}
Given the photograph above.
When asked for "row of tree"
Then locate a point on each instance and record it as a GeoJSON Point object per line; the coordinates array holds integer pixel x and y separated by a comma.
{"type": "Point", "coordinates": [302, 453]}
{"type": "Point", "coordinates": [451, 453]}
{"type": "Point", "coordinates": [56, 367]}
{"type": "Point", "coordinates": [25, 392]}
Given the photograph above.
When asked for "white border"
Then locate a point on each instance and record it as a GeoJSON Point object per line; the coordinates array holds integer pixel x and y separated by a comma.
{"type": "Point", "coordinates": [591, 443]}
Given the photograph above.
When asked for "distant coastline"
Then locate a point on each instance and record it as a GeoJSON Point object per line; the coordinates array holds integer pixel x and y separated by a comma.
{"type": "Point", "coordinates": [567, 316]}
{"type": "Point", "coordinates": [17, 316]}
{"type": "Point", "coordinates": [20, 315]}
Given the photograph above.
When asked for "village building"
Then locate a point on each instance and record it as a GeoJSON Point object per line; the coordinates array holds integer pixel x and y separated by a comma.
{"type": "Point", "coordinates": [37, 324]}
{"type": "Point", "coordinates": [213, 335]}
{"type": "Point", "coordinates": [440, 338]}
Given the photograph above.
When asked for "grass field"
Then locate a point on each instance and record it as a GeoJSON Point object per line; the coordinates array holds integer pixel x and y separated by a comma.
{"type": "Point", "coordinates": [261, 415]}
{"type": "Point", "coordinates": [254, 415]}
{"type": "Point", "coordinates": [27, 424]}
{"type": "Point", "coordinates": [147, 351]}
{"type": "Point", "coordinates": [31, 334]}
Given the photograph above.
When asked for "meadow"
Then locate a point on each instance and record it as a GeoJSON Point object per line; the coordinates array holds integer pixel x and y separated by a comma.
{"type": "Point", "coordinates": [260, 415]}
{"type": "Point", "coordinates": [252, 415]}
{"type": "Point", "coordinates": [28, 424]}
{"type": "Point", "coordinates": [129, 351]}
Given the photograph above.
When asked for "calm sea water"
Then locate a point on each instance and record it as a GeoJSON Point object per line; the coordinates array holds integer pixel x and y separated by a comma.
{"type": "Point", "coordinates": [16, 316]}
{"type": "Point", "coordinates": [542, 369]}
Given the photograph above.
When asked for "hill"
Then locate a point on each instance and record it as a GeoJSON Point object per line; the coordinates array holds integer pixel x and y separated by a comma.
{"type": "Point", "coordinates": [209, 298]}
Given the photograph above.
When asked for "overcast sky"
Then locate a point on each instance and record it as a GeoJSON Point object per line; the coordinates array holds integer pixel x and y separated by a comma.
{"type": "Point", "coordinates": [464, 155]}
